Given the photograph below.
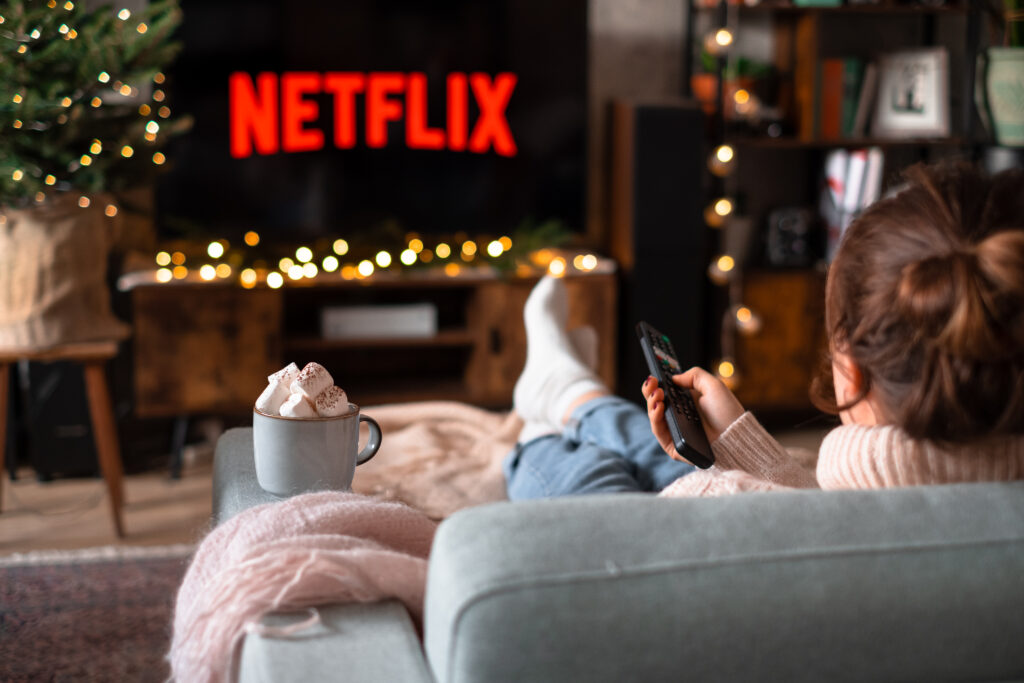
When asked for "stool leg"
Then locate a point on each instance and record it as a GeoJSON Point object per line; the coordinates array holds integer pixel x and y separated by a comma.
{"type": "Point", "coordinates": [5, 375]}
{"type": "Point", "coordinates": [105, 433]}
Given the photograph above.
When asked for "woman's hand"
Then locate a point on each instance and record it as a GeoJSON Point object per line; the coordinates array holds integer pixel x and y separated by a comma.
{"type": "Point", "coordinates": [717, 405]}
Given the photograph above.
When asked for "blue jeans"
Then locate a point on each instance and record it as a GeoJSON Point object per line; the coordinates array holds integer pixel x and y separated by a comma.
{"type": "Point", "coordinates": [607, 446]}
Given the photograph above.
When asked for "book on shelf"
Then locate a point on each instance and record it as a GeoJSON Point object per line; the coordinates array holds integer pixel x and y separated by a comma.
{"type": "Point", "coordinates": [830, 89]}
{"type": "Point", "coordinates": [853, 75]}
{"type": "Point", "coordinates": [832, 199]}
{"type": "Point", "coordinates": [872, 188]}
{"type": "Point", "coordinates": [838, 96]}
{"type": "Point", "coordinates": [853, 181]}
{"type": "Point", "coordinates": [806, 74]}
{"type": "Point", "coordinates": [865, 101]}
{"type": "Point", "coordinates": [856, 164]}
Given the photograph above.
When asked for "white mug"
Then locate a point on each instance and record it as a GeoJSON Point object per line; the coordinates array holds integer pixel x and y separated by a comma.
{"type": "Point", "coordinates": [297, 455]}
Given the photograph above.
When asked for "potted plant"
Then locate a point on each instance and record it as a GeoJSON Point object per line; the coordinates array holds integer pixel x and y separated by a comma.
{"type": "Point", "coordinates": [740, 74]}
{"type": "Point", "coordinates": [1004, 74]}
{"type": "Point", "coordinates": [82, 121]}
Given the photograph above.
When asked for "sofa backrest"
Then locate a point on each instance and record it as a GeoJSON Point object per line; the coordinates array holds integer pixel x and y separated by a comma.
{"type": "Point", "coordinates": [923, 583]}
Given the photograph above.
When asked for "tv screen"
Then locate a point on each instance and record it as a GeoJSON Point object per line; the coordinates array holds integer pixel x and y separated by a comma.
{"type": "Point", "coordinates": [343, 117]}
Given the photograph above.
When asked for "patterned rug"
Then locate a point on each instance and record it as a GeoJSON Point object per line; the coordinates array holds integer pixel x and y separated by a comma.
{"type": "Point", "coordinates": [102, 614]}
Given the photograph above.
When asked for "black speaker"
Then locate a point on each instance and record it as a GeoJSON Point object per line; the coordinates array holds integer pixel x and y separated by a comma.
{"type": "Point", "coordinates": [657, 232]}
{"type": "Point", "coordinates": [55, 419]}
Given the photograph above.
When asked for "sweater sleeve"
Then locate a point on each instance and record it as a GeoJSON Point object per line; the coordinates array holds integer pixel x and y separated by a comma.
{"type": "Point", "coordinates": [746, 446]}
{"type": "Point", "coordinates": [747, 458]}
{"type": "Point", "coordinates": [715, 482]}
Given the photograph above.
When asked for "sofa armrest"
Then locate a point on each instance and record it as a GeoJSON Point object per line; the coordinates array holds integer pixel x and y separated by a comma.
{"type": "Point", "coordinates": [235, 487]}
{"type": "Point", "coordinates": [910, 584]}
{"type": "Point", "coordinates": [357, 643]}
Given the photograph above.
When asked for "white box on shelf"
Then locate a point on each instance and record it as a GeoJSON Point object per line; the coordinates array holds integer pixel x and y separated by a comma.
{"type": "Point", "coordinates": [370, 322]}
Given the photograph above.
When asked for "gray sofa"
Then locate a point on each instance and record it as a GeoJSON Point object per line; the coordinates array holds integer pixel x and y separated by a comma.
{"type": "Point", "coordinates": [917, 584]}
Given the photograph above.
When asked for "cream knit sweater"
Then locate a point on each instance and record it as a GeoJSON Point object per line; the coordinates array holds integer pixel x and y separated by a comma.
{"type": "Point", "coordinates": [747, 458]}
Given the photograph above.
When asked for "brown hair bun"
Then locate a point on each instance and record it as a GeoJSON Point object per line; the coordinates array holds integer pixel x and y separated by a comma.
{"type": "Point", "coordinates": [926, 294]}
{"type": "Point", "coordinates": [960, 299]}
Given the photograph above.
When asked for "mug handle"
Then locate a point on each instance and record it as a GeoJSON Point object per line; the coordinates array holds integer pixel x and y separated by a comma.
{"type": "Point", "coordinates": [373, 443]}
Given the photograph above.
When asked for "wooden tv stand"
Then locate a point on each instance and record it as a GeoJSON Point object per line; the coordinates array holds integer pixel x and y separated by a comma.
{"type": "Point", "coordinates": [207, 347]}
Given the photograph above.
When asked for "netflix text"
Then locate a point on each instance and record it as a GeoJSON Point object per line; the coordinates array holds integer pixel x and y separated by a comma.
{"type": "Point", "coordinates": [269, 114]}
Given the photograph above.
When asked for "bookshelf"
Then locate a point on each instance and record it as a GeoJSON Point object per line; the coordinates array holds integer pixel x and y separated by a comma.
{"type": "Point", "coordinates": [782, 151]}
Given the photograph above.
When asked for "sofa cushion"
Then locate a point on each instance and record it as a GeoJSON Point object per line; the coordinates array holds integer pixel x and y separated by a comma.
{"type": "Point", "coordinates": [922, 583]}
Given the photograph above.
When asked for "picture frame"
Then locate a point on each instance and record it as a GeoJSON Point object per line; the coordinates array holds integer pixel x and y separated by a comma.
{"type": "Point", "coordinates": [913, 94]}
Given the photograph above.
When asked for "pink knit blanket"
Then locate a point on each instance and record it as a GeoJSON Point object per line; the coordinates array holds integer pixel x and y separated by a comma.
{"type": "Point", "coordinates": [305, 551]}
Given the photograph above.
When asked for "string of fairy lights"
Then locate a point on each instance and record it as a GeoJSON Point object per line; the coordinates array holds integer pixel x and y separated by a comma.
{"type": "Point", "coordinates": [724, 268]}
{"type": "Point", "coordinates": [308, 265]}
{"type": "Point", "coordinates": [118, 89]}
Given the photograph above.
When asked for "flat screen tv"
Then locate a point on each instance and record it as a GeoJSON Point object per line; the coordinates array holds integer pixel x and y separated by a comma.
{"type": "Point", "coordinates": [341, 117]}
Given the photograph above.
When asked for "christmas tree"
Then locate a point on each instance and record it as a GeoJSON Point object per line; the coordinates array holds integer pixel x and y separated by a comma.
{"type": "Point", "coordinates": [81, 104]}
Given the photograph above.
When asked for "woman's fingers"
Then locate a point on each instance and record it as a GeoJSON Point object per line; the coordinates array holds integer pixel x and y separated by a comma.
{"type": "Point", "coordinates": [715, 402]}
{"type": "Point", "coordinates": [648, 387]}
{"type": "Point", "coordinates": [697, 379]}
{"type": "Point", "coordinates": [655, 397]}
{"type": "Point", "coordinates": [660, 428]}
{"type": "Point", "coordinates": [652, 393]}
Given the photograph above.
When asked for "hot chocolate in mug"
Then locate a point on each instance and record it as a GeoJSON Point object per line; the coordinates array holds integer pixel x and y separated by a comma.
{"type": "Point", "coordinates": [297, 455]}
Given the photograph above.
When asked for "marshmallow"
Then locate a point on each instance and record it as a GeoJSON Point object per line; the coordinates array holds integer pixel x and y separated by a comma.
{"type": "Point", "coordinates": [277, 390]}
{"type": "Point", "coordinates": [332, 402]}
{"type": "Point", "coordinates": [271, 399]}
{"type": "Point", "coordinates": [297, 405]}
{"type": "Point", "coordinates": [311, 380]}
{"type": "Point", "coordinates": [285, 375]}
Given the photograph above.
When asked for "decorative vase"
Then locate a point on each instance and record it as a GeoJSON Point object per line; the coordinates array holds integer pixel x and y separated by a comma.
{"type": "Point", "coordinates": [1004, 89]}
{"type": "Point", "coordinates": [53, 266]}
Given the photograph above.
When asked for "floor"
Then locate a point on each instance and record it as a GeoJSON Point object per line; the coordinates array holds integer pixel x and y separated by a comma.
{"type": "Point", "coordinates": [66, 514]}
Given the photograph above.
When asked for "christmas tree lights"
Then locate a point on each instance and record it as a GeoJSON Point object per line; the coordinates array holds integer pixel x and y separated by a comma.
{"type": "Point", "coordinates": [70, 84]}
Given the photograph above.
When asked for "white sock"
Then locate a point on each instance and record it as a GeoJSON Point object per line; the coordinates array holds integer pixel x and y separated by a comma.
{"type": "Point", "coordinates": [554, 375]}
{"type": "Point", "coordinates": [585, 343]}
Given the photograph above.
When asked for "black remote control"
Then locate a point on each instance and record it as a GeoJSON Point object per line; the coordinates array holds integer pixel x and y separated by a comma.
{"type": "Point", "coordinates": [681, 414]}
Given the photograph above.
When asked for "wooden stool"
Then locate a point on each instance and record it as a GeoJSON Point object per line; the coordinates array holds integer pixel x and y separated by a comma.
{"type": "Point", "coordinates": [92, 356]}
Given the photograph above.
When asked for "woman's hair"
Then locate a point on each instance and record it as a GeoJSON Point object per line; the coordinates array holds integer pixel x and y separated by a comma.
{"type": "Point", "coordinates": [926, 295]}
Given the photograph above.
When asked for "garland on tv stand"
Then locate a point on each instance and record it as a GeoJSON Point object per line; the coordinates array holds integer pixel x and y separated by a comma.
{"type": "Point", "coordinates": [528, 251]}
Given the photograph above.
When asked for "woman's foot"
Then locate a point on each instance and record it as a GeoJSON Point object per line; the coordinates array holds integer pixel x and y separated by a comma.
{"type": "Point", "coordinates": [584, 343]}
{"type": "Point", "coordinates": [555, 376]}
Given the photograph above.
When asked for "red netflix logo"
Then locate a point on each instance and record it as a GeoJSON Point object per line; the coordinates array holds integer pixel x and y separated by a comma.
{"type": "Point", "coordinates": [258, 107]}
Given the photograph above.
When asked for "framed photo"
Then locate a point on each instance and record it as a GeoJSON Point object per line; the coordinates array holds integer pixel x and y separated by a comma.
{"type": "Point", "coordinates": [913, 94]}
